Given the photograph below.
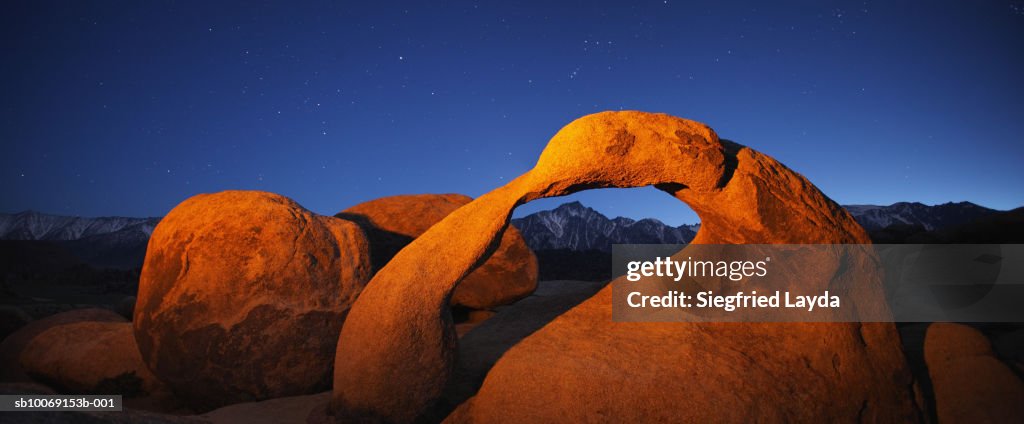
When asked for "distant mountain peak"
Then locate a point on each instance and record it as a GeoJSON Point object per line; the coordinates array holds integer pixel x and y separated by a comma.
{"type": "Point", "coordinates": [575, 204]}
{"type": "Point", "coordinates": [875, 217]}
{"type": "Point", "coordinates": [111, 241]}
{"type": "Point", "coordinates": [34, 225]}
{"type": "Point", "coordinates": [574, 208]}
{"type": "Point", "coordinates": [575, 226]}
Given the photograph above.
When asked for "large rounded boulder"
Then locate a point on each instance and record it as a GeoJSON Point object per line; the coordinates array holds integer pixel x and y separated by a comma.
{"type": "Point", "coordinates": [242, 295]}
{"type": "Point", "coordinates": [393, 222]}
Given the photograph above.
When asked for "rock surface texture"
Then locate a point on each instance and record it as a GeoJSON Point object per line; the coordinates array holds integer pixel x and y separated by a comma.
{"type": "Point", "coordinates": [971, 385]}
{"type": "Point", "coordinates": [96, 357]}
{"type": "Point", "coordinates": [391, 223]}
{"type": "Point", "coordinates": [242, 295]}
{"type": "Point", "coordinates": [14, 344]}
{"type": "Point", "coordinates": [398, 347]}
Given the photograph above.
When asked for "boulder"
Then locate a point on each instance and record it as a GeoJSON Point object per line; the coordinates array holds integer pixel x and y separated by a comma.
{"type": "Point", "coordinates": [242, 295]}
{"type": "Point", "coordinates": [970, 384]}
{"type": "Point", "coordinates": [398, 348]}
{"type": "Point", "coordinates": [93, 358]}
{"type": "Point", "coordinates": [391, 223]}
{"type": "Point", "coordinates": [14, 344]}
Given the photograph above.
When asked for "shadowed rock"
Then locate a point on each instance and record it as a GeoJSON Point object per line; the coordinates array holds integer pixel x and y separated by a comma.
{"type": "Point", "coordinates": [397, 350]}
{"type": "Point", "coordinates": [484, 344]}
{"type": "Point", "coordinates": [393, 222]}
{"type": "Point", "coordinates": [11, 319]}
{"type": "Point", "coordinates": [242, 295]}
{"type": "Point", "coordinates": [971, 385]}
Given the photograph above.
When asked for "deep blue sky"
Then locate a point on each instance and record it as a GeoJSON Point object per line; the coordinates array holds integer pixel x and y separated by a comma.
{"type": "Point", "coordinates": [127, 108]}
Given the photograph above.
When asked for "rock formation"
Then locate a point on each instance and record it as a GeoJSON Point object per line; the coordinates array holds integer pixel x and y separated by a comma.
{"type": "Point", "coordinates": [96, 357]}
{"type": "Point", "coordinates": [485, 343]}
{"type": "Point", "coordinates": [242, 295]}
{"type": "Point", "coordinates": [14, 345]}
{"type": "Point", "coordinates": [397, 349]}
{"type": "Point", "coordinates": [393, 222]}
{"type": "Point", "coordinates": [971, 385]}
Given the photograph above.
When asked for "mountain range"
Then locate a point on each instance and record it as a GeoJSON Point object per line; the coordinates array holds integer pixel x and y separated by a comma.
{"type": "Point", "coordinates": [31, 225]}
{"type": "Point", "coordinates": [576, 227]}
{"type": "Point", "coordinates": [874, 218]}
{"type": "Point", "coordinates": [120, 242]}
{"type": "Point", "coordinates": [105, 242]}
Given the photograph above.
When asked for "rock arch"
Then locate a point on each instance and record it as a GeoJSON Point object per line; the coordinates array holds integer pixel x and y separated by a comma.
{"type": "Point", "coordinates": [398, 347]}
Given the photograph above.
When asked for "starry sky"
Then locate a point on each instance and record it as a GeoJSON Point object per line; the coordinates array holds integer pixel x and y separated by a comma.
{"type": "Point", "coordinates": [128, 108]}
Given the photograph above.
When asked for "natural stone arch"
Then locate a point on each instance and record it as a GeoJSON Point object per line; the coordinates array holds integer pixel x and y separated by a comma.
{"type": "Point", "coordinates": [397, 348]}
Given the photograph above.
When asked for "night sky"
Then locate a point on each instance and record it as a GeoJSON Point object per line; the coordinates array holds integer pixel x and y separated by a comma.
{"type": "Point", "coordinates": [128, 108]}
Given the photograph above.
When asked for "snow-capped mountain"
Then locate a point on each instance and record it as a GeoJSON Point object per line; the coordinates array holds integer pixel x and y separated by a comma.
{"type": "Point", "coordinates": [576, 227]}
{"type": "Point", "coordinates": [874, 218]}
{"type": "Point", "coordinates": [31, 225]}
{"type": "Point", "coordinates": [114, 242]}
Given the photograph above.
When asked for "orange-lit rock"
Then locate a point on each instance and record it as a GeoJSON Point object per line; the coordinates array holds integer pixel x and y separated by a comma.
{"type": "Point", "coordinates": [242, 295]}
{"type": "Point", "coordinates": [397, 349]}
{"type": "Point", "coordinates": [393, 222]}
{"type": "Point", "coordinates": [971, 385]}
{"type": "Point", "coordinates": [13, 345]}
{"type": "Point", "coordinates": [95, 358]}
{"type": "Point", "coordinates": [483, 344]}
